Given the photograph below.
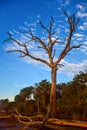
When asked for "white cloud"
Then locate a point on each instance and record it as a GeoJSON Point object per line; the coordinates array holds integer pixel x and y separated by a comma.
{"type": "Point", "coordinates": [37, 54]}
{"type": "Point", "coordinates": [30, 24]}
{"type": "Point", "coordinates": [84, 49]}
{"type": "Point", "coordinates": [78, 35]}
{"type": "Point", "coordinates": [82, 27]}
{"type": "Point", "coordinates": [81, 14]}
{"type": "Point", "coordinates": [66, 30]}
{"type": "Point", "coordinates": [72, 69]}
{"type": "Point", "coordinates": [63, 3]}
{"type": "Point", "coordinates": [59, 9]}
{"type": "Point", "coordinates": [85, 23]}
{"type": "Point", "coordinates": [79, 6]}
{"type": "Point", "coordinates": [17, 47]}
{"type": "Point", "coordinates": [79, 39]}
{"type": "Point", "coordinates": [38, 16]}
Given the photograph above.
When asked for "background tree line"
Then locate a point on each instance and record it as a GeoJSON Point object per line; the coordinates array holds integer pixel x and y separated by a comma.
{"type": "Point", "coordinates": [71, 99]}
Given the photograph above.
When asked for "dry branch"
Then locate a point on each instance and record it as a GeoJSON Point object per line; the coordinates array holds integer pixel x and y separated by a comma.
{"type": "Point", "coordinates": [25, 120]}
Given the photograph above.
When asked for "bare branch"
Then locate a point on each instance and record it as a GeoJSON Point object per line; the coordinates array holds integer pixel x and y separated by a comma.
{"type": "Point", "coordinates": [55, 41]}
{"type": "Point", "coordinates": [44, 27]}
{"type": "Point", "coordinates": [37, 39]}
{"type": "Point", "coordinates": [73, 47]}
{"type": "Point", "coordinates": [7, 38]}
{"type": "Point", "coordinates": [72, 23]}
{"type": "Point", "coordinates": [39, 59]}
{"type": "Point", "coordinates": [72, 20]}
{"type": "Point", "coordinates": [13, 39]}
{"type": "Point", "coordinates": [60, 65]}
{"type": "Point", "coordinates": [54, 53]}
{"type": "Point", "coordinates": [22, 53]}
{"type": "Point", "coordinates": [51, 24]}
{"type": "Point", "coordinates": [40, 47]}
{"type": "Point", "coordinates": [25, 52]}
{"type": "Point", "coordinates": [65, 12]}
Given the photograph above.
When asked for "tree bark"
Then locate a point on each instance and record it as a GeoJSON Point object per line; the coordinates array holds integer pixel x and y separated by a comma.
{"type": "Point", "coordinates": [53, 93]}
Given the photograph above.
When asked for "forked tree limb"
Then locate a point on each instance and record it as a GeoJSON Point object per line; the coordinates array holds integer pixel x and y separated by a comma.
{"type": "Point", "coordinates": [72, 24]}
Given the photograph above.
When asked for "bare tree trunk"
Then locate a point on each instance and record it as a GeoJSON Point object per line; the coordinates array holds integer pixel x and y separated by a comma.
{"type": "Point", "coordinates": [53, 93]}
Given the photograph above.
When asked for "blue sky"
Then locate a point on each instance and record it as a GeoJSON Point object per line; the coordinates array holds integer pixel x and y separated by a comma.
{"type": "Point", "coordinates": [17, 73]}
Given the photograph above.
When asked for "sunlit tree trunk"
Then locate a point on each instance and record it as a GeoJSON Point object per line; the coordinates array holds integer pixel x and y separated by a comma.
{"type": "Point", "coordinates": [53, 92]}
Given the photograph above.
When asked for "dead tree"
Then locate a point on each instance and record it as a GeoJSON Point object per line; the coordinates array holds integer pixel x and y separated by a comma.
{"type": "Point", "coordinates": [50, 51]}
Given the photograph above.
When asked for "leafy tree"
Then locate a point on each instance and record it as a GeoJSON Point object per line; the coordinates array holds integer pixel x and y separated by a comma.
{"type": "Point", "coordinates": [42, 94]}
{"type": "Point", "coordinates": [18, 98]}
{"type": "Point", "coordinates": [73, 103]}
{"type": "Point", "coordinates": [30, 107]}
{"type": "Point", "coordinates": [48, 47]}
{"type": "Point", "coordinates": [26, 92]}
{"type": "Point", "coordinates": [4, 104]}
{"type": "Point", "coordinates": [81, 81]}
{"type": "Point", "coordinates": [81, 78]}
{"type": "Point", "coordinates": [22, 100]}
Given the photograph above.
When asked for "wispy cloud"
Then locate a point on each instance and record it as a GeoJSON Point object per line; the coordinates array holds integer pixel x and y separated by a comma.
{"type": "Point", "coordinates": [85, 23]}
{"type": "Point", "coordinates": [78, 35]}
{"type": "Point", "coordinates": [71, 69]}
{"type": "Point", "coordinates": [84, 49]}
{"type": "Point", "coordinates": [81, 14]}
{"type": "Point", "coordinates": [30, 24]}
{"type": "Point", "coordinates": [82, 27]}
{"type": "Point", "coordinates": [37, 54]}
{"type": "Point", "coordinates": [64, 3]}
{"type": "Point", "coordinates": [38, 16]}
{"type": "Point", "coordinates": [81, 7]}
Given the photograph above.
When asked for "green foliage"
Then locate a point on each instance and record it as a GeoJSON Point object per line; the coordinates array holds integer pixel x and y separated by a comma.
{"type": "Point", "coordinates": [41, 95]}
{"type": "Point", "coordinates": [25, 93]}
{"type": "Point", "coordinates": [73, 104]}
{"type": "Point", "coordinates": [80, 78]}
{"type": "Point", "coordinates": [71, 99]}
{"type": "Point", "coordinates": [19, 99]}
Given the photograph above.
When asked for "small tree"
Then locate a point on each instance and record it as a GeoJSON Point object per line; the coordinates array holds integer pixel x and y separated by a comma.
{"type": "Point", "coordinates": [48, 47]}
{"type": "Point", "coordinates": [26, 92]}
{"type": "Point", "coordinates": [41, 95]}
